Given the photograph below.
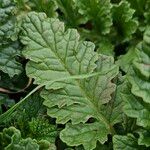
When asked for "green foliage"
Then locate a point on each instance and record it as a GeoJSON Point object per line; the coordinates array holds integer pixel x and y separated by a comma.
{"type": "Point", "coordinates": [98, 12]}
{"type": "Point", "coordinates": [8, 50]}
{"type": "Point", "coordinates": [75, 74]}
{"type": "Point", "coordinates": [124, 23]}
{"type": "Point", "coordinates": [11, 138]}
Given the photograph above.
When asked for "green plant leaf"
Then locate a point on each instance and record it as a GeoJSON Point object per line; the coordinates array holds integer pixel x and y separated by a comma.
{"type": "Point", "coordinates": [8, 63]}
{"type": "Point", "coordinates": [140, 74]}
{"type": "Point", "coordinates": [122, 142]}
{"type": "Point", "coordinates": [47, 6]}
{"type": "Point", "coordinates": [81, 85]}
{"type": "Point", "coordinates": [8, 50]}
{"type": "Point", "coordinates": [144, 138]}
{"type": "Point", "coordinates": [135, 107]}
{"type": "Point", "coordinates": [98, 12]}
{"type": "Point", "coordinates": [86, 134]}
{"type": "Point", "coordinates": [65, 54]}
{"type": "Point", "coordinates": [70, 12]}
{"type": "Point", "coordinates": [11, 139]}
{"type": "Point", "coordinates": [124, 23]}
{"type": "Point", "coordinates": [113, 110]}
{"type": "Point", "coordinates": [125, 61]}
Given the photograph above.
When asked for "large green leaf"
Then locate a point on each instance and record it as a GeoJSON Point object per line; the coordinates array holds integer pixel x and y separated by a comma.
{"type": "Point", "coordinates": [98, 12]}
{"type": "Point", "coordinates": [78, 82]}
{"type": "Point", "coordinates": [124, 23]}
{"type": "Point", "coordinates": [56, 54]}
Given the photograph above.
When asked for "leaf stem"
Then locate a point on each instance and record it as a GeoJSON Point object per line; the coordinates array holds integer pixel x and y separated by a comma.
{"type": "Point", "coordinates": [5, 115]}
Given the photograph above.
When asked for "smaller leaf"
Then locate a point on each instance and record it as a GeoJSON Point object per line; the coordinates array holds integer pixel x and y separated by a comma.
{"type": "Point", "coordinates": [98, 12]}
{"type": "Point", "coordinates": [124, 23]}
{"type": "Point", "coordinates": [144, 138]}
{"type": "Point", "coordinates": [125, 61]}
{"type": "Point", "coordinates": [135, 108]}
{"type": "Point", "coordinates": [128, 142]}
{"type": "Point", "coordinates": [8, 63]}
{"type": "Point", "coordinates": [86, 134]}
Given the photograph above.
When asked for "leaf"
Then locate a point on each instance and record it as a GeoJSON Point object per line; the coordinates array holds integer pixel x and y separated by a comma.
{"type": "Point", "coordinates": [140, 74]}
{"type": "Point", "coordinates": [8, 50]}
{"type": "Point", "coordinates": [126, 61]}
{"type": "Point", "coordinates": [13, 137]}
{"type": "Point", "coordinates": [144, 138]}
{"type": "Point", "coordinates": [124, 23]}
{"type": "Point", "coordinates": [97, 11]}
{"type": "Point", "coordinates": [105, 47]}
{"type": "Point", "coordinates": [142, 11]}
{"type": "Point", "coordinates": [7, 19]}
{"type": "Point", "coordinates": [122, 142]}
{"type": "Point", "coordinates": [77, 86]}
{"type": "Point", "coordinates": [138, 5]}
{"type": "Point", "coordinates": [8, 63]}
{"type": "Point", "coordinates": [46, 6]}
{"type": "Point", "coordinates": [135, 108]}
{"type": "Point", "coordinates": [65, 54]}
{"type": "Point", "coordinates": [70, 12]}
{"type": "Point", "coordinates": [113, 111]}
{"type": "Point", "coordinates": [86, 134]}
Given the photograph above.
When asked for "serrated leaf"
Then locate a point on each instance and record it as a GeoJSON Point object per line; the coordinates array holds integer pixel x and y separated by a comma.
{"type": "Point", "coordinates": [70, 12]}
{"type": "Point", "coordinates": [97, 11]}
{"type": "Point", "coordinates": [144, 138]}
{"type": "Point", "coordinates": [62, 56]}
{"type": "Point", "coordinates": [86, 134]}
{"type": "Point", "coordinates": [81, 85]}
{"type": "Point", "coordinates": [124, 23]}
{"type": "Point", "coordinates": [135, 108]}
{"type": "Point", "coordinates": [140, 74]}
{"type": "Point", "coordinates": [138, 5]}
{"type": "Point", "coordinates": [128, 142]}
{"type": "Point", "coordinates": [46, 6]}
{"type": "Point", "coordinates": [11, 137]}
